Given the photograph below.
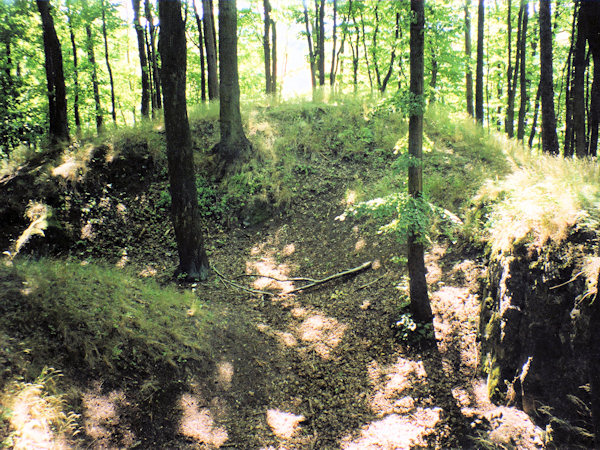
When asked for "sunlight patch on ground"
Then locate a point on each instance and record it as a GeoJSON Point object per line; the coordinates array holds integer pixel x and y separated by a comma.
{"type": "Point", "coordinates": [391, 384]}
{"type": "Point", "coordinates": [101, 416]}
{"type": "Point", "coordinates": [395, 431]}
{"type": "Point", "coordinates": [322, 333]}
{"type": "Point", "coordinates": [283, 424]}
{"type": "Point", "coordinates": [198, 423]}
{"type": "Point", "coordinates": [360, 245]}
{"type": "Point", "coordinates": [269, 269]}
{"type": "Point", "coordinates": [224, 375]}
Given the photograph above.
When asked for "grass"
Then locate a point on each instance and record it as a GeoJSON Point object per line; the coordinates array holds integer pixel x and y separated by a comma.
{"type": "Point", "coordinates": [104, 317]}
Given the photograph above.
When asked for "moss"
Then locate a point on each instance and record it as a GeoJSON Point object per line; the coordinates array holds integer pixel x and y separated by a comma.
{"type": "Point", "coordinates": [493, 378]}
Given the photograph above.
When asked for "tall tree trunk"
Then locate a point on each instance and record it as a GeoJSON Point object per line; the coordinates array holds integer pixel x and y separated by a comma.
{"type": "Point", "coordinates": [523, 73]}
{"type": "Point", "coordinates": [139, 31]}
{"type": "Point", "coordinates": [546, 88]}
{"type": "Point", "coordinates": [419, 298]}
{"type": "Point", "coordinates": [57, 98]}
{"type": "Point", "coordinates": [201, 49]}
{"type": "Point", "coordinates": [267, 45]}
{"type": "Point", "coordinates": [193, 261]}
{"type": "Point", "coordinates": [433, 80]}
{"type": "Point", "coordinates": [311, 52]}
{"type": "Point", "coordinates": [157, 101]}
{"type": "Point", "coordinates": [355, 50]}
{"type": "Point", "coordinates": [333, 60]}
{"type": "Point", "coordinates": [233, 140]}
{"type": "Point", "coordinates": [211, 49]}
{"type": "Point", "coordinates": [578, 84]}
{"type": "Point", "coordinates": [593, 12]}
{"type": "Point", "coordinates": [321, 45]}
{"type": "Point", "coordinates": [469, 72]}
{"type": "Point", "coordinates": [75, 76]}
{"type": "Point", "coordinates": [273, 57]}
{"type": "Point", "coordinates": [95, 87]}
{"type": "Point", "coordinates": [364, 41]}
{"type": "Point", "coordinates": [340, 50]}
{"type": "Point", "coordinates": [479, 114]}
{"type": "Point", "coordinates": [509, 123]}
{"type": "Point", "coordinates": [374, 47]}
{"type": "Point", "coordinates": [108, 68]}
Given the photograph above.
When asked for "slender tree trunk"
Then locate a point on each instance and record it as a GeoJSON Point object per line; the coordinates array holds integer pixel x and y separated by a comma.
{"type": "Point", "coordinates": [273, 57]}
{"type": "Point", "coordinates": [355, 51]}
{"type": "Point", "coordinates": [374, 47]}
{"type": "Point", "coordinates": [152, 54]}
{"type": "Point", "coordinates": [469, 73]}
{"type": "Point", "coordinates": [433, 80]}
{"type": "Point", "coordinates": [578, 84]}
{"type": "Point", "coordinates": [311, 53]}
{"type": "Point", "coordinates": [536, 109]}
{"type": "Point", "coordinates": [75, 77]}
{"type": "Point", "coordinates": [267, 45]}
{"type": "Point", "coordinates": [321, 40]}
{"type": "Point", "coordinates": [193, 261]}
{"type": "Point", "coordinates": [479, 113]}
{"type": "Point", "coordinates": [108, 68]}
{"type": "Point", "coordinates": [151, 82]}
{"type": "Point", "coordinates": [510, 107]}
{"type": "Point", "coordinates": [139, 31]}
{"type": "Point", "coordinates": [201, 49]}
{"type": "Point", "coordinates": [594, 45]}
{"type": "Point", "coordinates": [523, 73]}
{"type": "Point", "coordinates": [386, 79]}
{"type": "Point", "coordinates": [333, 60]}
{"type": "Point", "coordinates": [57, 98]}
{"type": "Point", "coordinates": [341, 47]}
{"type": "Point", "coordinates": [546, 88]}
{"type": "Point", "coordinates": [95, 87]}
{"type": "Point", "coordinates": [211, 49]}
{"type": "Point", "coordinates": [364, 41]}
{"type": "Point", "coordinates": [233, 140]}
{"type": "Point", "coordinates": [419, 298]}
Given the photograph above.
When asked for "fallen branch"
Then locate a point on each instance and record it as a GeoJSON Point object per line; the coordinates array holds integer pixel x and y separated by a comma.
{"type": "Point", "coordinates": [332, 277]}
{"type": "Point", "coordinates": [238, 286]}
{"type": "Point", "coordinates": [371, 282]}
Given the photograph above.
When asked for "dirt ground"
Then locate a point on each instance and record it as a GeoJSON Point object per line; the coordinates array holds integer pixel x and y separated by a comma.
{"type": "Point", "coordinates": [321, 368]}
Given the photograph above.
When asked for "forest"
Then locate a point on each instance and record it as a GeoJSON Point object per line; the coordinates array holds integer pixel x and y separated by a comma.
{"type": "Point", "coordinates": [299, 224]}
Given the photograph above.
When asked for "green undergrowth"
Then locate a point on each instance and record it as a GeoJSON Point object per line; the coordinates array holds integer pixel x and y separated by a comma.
{"type": "Point", "coordinates": [104, 318]}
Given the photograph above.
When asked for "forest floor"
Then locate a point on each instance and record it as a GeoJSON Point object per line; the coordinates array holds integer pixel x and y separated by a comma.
{"type": "Point", "coordinates": [320, 368]}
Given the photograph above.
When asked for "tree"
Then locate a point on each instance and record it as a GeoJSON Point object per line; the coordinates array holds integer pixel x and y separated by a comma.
{"type": "Point", "coordinates": [469, 73]}
{"type": "Point", "coordinates": [210, 40]}
{"type": "Point", "coordinates": [546, 89]}
{"type": "Point", "coordinates": [139, 31]}
{"type": "Point", "coordinates": [311, 52]}
{"type": "Point", "coordinates": [419, 299]}
{"type": "Point", "coordinates": [153, 69]}
{"type": "Point", "coordinates": [269, 50]}
{"type": "Point", "coordinates": [479, 71]}
{"type": "Point", "coordinates": [193, 261]}
{"type": "Point", "coordinates": [57, 97]}
{"type": "Point", "coordinates": [201, 50]}
{"type": "Point", "coordinates": [108, 67]}
{"type": "Point", "coordinates": [76, 114]}
{"type": "Point", "coordinates": [94, 68]}
{"type": "Point", "coordinates": [233, 140]}
{"type": "Point", "coordinates": [523, 73]}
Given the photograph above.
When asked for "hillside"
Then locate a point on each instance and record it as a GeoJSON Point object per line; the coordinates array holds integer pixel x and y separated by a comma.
{"type": "Point", "coordinates": [139, 359]}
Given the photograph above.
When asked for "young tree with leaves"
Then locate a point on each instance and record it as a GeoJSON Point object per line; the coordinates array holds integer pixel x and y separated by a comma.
{"type": "Point", "coordinates": [479, 113]}
{"type": "Point", "coordinates": [469, 72]}
{"type": "Point", "coordinates": [419, 298]}
{"type": "Point", "coordinates": [193, 261]}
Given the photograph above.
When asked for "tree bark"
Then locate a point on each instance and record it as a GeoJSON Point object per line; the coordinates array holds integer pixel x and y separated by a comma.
{"type": "Point", "coordinates": [193, 261]}
{"type": "Point", "coordinates": [546, 88]}
{"type": "Point", "coordinates": [233, 140]}
{"type": "Point", "coordinates": [273, 57]}
{"type": "Point", "coordinates": [321, 43]}
{"type": "Point", "coordinates": [523, 73]}
{"type": "Point", "coordinates": [419, 298]}
{"type": "Point", "coordinates": [333, 54]}
{"type": "Point", "coordinates": [57, 98]}
{"type": "Point", "coordinates": [578, 84]}
{"type": "Point", "coordinates": [139, 31]}
{"type": "Point", "coordinates": [386, 79]}
{"type": "Point", "coordinates": [479, 113]}
{"type": "Point", "coordinates": [211, 49]}
{"type": "Point", "coordinates": [510, 107]}
{"type": "Point", "coordinates": [593, 15]}
{"type": "Point", "coordinates": [469, 72]}
{"type": "Point", "coordinates": [108, 68]}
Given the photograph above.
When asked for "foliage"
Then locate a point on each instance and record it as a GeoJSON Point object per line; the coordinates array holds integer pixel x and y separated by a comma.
{"type": "Point", "coordinates": [104, 317]}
